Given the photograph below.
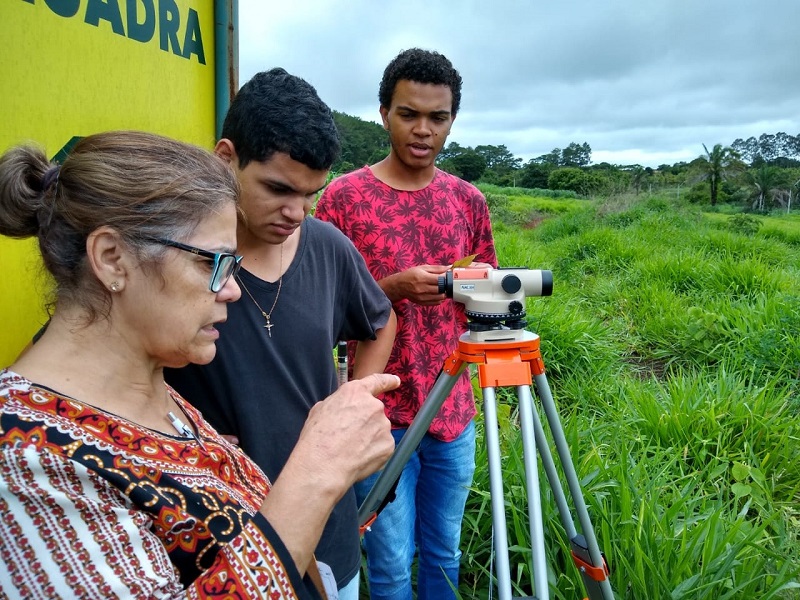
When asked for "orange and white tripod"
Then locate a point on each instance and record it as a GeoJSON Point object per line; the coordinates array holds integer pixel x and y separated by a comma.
{"type": "Point", "coordinates": [509, 358]}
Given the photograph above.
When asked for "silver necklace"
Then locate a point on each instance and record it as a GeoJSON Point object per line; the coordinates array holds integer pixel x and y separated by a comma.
{"type": "Point", "coordinates": [267, 315]}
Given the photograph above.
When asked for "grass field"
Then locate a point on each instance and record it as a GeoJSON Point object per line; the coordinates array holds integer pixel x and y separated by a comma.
{"type": "Point", "coordinates": [672, 348]}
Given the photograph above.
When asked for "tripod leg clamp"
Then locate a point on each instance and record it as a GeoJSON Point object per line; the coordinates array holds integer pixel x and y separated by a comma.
{"type": "Point", "coordinates": [596, 573]}
{"type": "Point", "coordinates": [581, 558]}
{"type": "Point", "coordinates": [362, 529]}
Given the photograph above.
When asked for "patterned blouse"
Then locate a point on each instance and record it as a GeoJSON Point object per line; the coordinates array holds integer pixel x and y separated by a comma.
{"type": "Point", "coordinates": [95, 506]}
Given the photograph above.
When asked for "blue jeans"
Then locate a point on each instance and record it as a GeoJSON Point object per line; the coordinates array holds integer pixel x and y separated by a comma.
{"type": "Point", "coordinates": [426, 512]}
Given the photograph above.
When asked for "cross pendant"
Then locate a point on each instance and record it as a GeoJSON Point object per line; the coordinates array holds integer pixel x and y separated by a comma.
{"type": "Point", "coordinates": [268, 327]}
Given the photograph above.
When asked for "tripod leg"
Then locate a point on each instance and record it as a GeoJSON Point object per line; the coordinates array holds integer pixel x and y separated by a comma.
{"type": "Point", "coordinates": [503, 572]}
{"type": "Point", "coordinates": [529, 440]}
{"type": "Point", "coordinates": [585, 547]}
{"type": "Point", "coordinates": [386, 481]}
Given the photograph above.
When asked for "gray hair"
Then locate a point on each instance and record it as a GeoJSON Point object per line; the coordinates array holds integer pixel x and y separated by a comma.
{"type": "Point", "coordinates": [141, 184]}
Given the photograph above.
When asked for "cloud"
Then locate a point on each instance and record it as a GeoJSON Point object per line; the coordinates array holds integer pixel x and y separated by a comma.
{"type": "Point", "coordinates": [644, 81]}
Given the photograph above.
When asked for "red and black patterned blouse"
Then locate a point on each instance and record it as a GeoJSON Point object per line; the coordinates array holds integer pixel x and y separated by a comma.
{"type": "Point", "coordinates": [95, 506]}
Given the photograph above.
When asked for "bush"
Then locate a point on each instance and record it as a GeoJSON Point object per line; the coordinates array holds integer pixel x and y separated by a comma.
{"type": "Point", "coordinates": [744, 224]}
{"type": "Point", "coordinates": [499, 208]}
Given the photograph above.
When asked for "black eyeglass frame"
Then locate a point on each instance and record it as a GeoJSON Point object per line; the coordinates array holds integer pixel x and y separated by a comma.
{"type": "Point", "coordinates": [217, 257]}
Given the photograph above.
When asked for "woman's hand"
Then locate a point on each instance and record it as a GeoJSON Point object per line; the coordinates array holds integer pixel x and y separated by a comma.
{"type": "Point", "coordinates": [348, 431]}
{"type": "Point", "coordinates": [346, 438]}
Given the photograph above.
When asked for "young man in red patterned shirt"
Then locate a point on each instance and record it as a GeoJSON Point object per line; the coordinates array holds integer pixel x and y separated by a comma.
{"type": "Point", "coordinates": [411, 221]}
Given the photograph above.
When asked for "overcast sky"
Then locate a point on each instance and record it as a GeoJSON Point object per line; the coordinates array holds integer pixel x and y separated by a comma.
{"type": "Point", "coordinates": [642, 81]}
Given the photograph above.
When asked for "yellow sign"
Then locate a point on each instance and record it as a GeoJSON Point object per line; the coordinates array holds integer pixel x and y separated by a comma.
{"type": "Point", "coordinates": [75, 67]}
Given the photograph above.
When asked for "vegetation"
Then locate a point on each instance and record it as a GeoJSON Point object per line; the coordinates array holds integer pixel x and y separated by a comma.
{"type": "Point", "coordinates": [363, 142]}
{"type": "Point", "coordinates": [766, 186]}
{"type": "Point", "coordinates": [769, 148]}
{"type": "Point", "coordinates": [716, 166]}
{"type": "Point", "coordinates": [755, 174]}
{"type": "Point", "coordinates": [672, 347]}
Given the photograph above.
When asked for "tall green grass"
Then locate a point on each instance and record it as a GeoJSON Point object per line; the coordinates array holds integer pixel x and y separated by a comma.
{"type": "Point", "coordinates": [672, 347]}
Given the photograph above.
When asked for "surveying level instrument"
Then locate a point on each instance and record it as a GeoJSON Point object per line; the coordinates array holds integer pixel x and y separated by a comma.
{"type": "Point", "coordinates": [506, 355]}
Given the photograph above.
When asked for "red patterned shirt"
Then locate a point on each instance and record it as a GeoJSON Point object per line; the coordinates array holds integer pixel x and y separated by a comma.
{"type": "Point", "coordinates": [95, 506]}
{"type": "Point", "coordinates": [395, 230]}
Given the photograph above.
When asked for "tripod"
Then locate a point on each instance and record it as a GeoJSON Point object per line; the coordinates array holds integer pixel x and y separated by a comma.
{"type": "Point", "coordinates": [508, 357]}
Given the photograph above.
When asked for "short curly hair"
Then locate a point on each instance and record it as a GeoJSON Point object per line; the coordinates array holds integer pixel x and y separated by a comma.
{"type": "Point", "coordinates": [422, 66]}
{"type": "Point", "coordinates": [279, 112]}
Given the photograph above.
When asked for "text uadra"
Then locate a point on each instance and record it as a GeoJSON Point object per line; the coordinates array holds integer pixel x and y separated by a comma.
{"type": "Point", "coordinates": [142, 18]}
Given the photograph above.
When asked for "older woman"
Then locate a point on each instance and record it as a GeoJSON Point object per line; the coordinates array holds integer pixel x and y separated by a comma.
{"type": "Point", "coordinates": [111, 485]}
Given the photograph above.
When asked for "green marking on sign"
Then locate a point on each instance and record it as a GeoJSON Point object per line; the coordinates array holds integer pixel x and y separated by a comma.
{"type": "Point", "coordinates": [61, 155]}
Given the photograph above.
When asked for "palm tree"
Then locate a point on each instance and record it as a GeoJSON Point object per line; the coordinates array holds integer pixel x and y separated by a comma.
{"type": "Point", "coordinates": [790, 194]}
{"type": "Point", "coordinates": [717, 165]}
{"type": "Point", "coordinates": [765, 181]}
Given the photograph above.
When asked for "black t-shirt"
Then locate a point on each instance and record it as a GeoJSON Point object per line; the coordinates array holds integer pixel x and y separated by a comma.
{"type": "Point", "coordinates": [260, 388]}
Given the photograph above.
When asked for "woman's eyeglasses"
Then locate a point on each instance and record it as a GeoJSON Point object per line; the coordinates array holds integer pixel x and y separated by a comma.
{"type": "Point", "coordinates": [225, 264]}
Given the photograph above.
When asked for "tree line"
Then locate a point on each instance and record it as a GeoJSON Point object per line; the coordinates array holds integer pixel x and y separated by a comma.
{"type": "Point", "coordinates": [758, 173]}
{"type": "Point", "coordinates": [780, 149]}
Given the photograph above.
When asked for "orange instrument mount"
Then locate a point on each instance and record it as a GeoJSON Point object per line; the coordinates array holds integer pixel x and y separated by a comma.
{"type": "Point", "coordinates": [508, 358]}
{"type": "Point", "coordinates": [500, 363]}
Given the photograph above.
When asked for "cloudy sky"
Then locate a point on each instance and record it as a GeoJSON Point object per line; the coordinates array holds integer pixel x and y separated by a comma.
{"type": "Point", "coordinates": [642, 81]}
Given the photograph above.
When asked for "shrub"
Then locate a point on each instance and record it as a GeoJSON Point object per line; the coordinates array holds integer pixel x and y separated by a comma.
{"type": "Point", "coordinates": [744, 224]}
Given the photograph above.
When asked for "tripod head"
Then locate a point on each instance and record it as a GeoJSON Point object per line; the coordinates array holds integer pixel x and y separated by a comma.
{"type": "Point", "coordinates": [494, 299]}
